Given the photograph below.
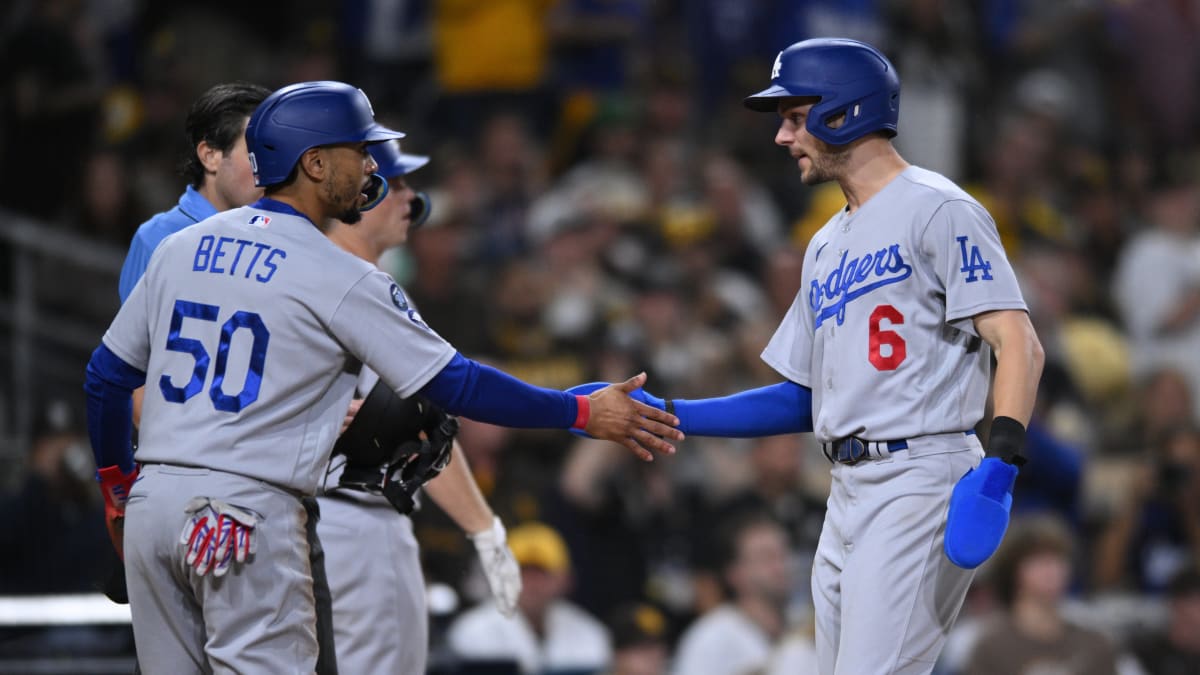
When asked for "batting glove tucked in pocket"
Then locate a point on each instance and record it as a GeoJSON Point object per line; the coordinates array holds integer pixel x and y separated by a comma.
{"type": "Point", "coordinates": [216, 534]}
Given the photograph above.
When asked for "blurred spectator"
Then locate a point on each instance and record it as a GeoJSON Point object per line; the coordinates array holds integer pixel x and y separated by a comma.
{"type": "Point", "coordinates": [1157, 532]}
{"type": "Point", "coordinates": [796, 653]}
{"type": "Point", "coordinates": [630, 526]}
{"type": "Point", "coordinates": [1018, 188]}
{"type": "Point", "coordinates": [488, 57]}
{"type": "Point", "coordinates": [725, 36]}
{"type": "Point", "coordinates": [594, 43]}
{"type": "Point", "coordinates": [934, 50]}
{"type": "Point", "coordinates": [511, 176]}
{"type": "Point", "coordinates": [747, 225]}
{"type": "Point", "coordinates": [1031, 572]}
{"type": "Point", "coordinates": [1163, 401]}
{"type": "Point", "coordinates": [1161, 310]}
{"type": "Point", "coordinates": [110, 209]}
{"type": "Point", "coordinates": [52, 528]}
{"type": "Point", "coordinates": [1176, 650]}
{"type": "Point", "coordinates": [640, 641]}
{"type": "Point", "coordinates": [1050, 482]}
{"type": "Point", "coordinates": [548, 634]}
{"type": "Point", "coordinates": [50, 89]}
{"type": "Point", "coordinates": [387, 47]}
{"type": "Point", "coordinates": [442, 286]}
{"type": "Point", "coordinates": [55, 542]}
{"type": "Point", "coordinates": [1068, 39]}
{"type": "Point", "coordinates": [1158, 45]}
{"type": "Point", "coordinates": [738, 636]}
{"type": "Point", "coordinates": [777, 486]}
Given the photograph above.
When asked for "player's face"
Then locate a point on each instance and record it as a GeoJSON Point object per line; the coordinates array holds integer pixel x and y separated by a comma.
{"type": "Point", "coordinates": [762, 567]}
{"type": "Point", "coordinates": [350, 169]}
{"type": "Point", "coordinates": [234, 177]}
{"type": "Point", "coordinates": [819, 162]}
{"type": "Point", "coordinates": [229, 180]}
{"type": "Point", "coordinates": [389, 220]}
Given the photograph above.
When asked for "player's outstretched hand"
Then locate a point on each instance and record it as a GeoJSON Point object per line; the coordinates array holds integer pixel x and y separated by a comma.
{"type": "Point", "coordinates": [616, 417]}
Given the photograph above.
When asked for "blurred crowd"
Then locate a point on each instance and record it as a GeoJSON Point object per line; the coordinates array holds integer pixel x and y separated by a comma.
{"type": "Point", "coordinates": [603, 205]}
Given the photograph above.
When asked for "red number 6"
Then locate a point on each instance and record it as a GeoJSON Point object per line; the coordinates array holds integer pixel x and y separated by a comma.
{"type": "Point", "coordinates": [890, 338]}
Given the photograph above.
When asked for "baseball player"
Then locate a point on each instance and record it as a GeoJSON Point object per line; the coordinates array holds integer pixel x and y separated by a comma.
{"type": "Point", "coordinates": [219, 171]}
{"type": "Point", "coordinates": [252, 328]}
{"type": "Point", "coordinates": [383, 626]}
{"type": "Point", "coordinates": [886, 351]}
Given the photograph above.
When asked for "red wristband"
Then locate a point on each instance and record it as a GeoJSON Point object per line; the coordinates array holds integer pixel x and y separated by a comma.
{"type": "Point", "coordinates": [583, 411]}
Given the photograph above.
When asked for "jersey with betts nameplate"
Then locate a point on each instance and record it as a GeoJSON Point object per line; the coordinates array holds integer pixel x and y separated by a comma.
{"type": "Point", "coordinates": [881, 328]}
{"type": "Point", "coordinates": [251, 327]}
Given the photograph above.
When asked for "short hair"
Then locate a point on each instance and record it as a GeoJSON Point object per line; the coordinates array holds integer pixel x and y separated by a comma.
{"type": "Point", "coordinates": [732, 530]}
{"type": "Point", "coordinates": [218, 117]}
{"type": "Point", "coordinates": [1026, 538]}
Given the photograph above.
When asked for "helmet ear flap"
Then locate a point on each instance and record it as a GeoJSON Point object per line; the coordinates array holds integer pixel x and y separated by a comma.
{"type": "Point", "coordinates": [419, 212]}
{"type": "Point", "coordinates": [376, 191]}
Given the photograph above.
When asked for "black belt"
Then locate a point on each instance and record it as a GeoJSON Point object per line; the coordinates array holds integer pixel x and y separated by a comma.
{"type": "Point", "coordinates": [852, 449]}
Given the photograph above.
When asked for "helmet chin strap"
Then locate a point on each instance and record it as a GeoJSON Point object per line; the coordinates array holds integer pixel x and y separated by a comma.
{"type": "Point", "coordinates": [376, 191]}
{"type": "Point", "coordinates": [419, 209]}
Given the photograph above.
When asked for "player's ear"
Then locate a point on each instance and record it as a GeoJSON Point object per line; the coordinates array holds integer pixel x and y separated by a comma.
{"type": "Point", "coordinates": [209, 156]}
{"type": "Point", "coordinates": [312, 162]}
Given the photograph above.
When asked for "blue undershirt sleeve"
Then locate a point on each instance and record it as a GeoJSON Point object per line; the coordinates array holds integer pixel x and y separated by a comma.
{"type": "Point", "coordinates": [784, 408]}
{"type": "Point", "coordinates": [109, 386]}
{"type": "Point", "coordinates": [482, 393]}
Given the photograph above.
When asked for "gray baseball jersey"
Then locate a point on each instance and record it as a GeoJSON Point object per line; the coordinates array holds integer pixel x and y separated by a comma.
{"type": "Point", "coordinates": [881, 329]}
{"type": "Point", "coordinates": [240, 323]}
{"type": "Point", "coordinates": [882, 332]}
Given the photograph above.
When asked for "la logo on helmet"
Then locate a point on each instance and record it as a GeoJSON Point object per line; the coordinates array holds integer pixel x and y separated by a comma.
{"type": "Point", "coordinates": [775, 68]}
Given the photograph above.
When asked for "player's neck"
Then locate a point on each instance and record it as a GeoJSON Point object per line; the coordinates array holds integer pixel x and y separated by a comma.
{"type": "Point", "coordinates": [208, 190]}
{"type": "Point", "coordinates": [308, 204]}
{"type": "Point", "coordinates": [872, 166]}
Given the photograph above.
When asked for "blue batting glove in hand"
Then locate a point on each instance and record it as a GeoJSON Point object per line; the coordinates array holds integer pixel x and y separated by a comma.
{"type": "Point", "coordinates": [638, 394]}
{"type": "Point", "coordinates": [979, 509]}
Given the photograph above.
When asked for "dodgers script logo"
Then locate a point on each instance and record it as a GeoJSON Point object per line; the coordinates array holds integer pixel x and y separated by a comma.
{"type": "Point", "coordinates": [854, 278]}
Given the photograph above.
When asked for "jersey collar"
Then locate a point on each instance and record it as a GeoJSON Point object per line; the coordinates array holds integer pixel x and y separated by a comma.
{"type": "Point", "coordinates": [268, 204]}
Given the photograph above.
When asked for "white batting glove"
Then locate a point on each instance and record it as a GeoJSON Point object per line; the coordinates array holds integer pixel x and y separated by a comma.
{"type": "Point", "coordinates": [216, 534]}
{"type": "Point", "coordinates": [499, 566]}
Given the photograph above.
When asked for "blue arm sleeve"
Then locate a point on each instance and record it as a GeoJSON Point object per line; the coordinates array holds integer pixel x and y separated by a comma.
{"type": "Point", "coordinates": [109, 386]}
{"type": "Point", "coordinates": [784, 408]}
{"type": "Point", "coordinates": [471, 389]}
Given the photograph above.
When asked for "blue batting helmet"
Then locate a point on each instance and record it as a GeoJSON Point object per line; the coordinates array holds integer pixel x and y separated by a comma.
{"type": "Point", "coordinates": [393, 162]}
{"type": "Point", "coordinates": [306, 115]}
{"type": "Point", "coordinates": [850, 77]}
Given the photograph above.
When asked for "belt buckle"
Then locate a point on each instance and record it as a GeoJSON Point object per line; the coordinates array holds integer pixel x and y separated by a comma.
{"type": "Point", "coordinates": [851, 451]}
